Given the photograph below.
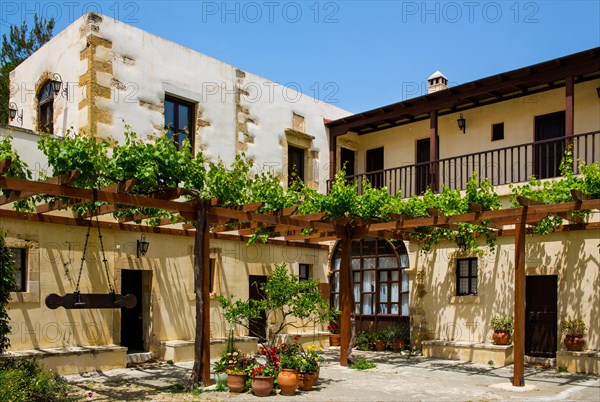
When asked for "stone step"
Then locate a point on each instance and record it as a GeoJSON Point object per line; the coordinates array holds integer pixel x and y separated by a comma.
{"type": "Point", "coordinates": [139, 357]}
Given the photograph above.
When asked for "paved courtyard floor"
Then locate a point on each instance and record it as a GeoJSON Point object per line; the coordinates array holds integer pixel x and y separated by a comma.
{"type": "Point", "coordinates": [396, 378]}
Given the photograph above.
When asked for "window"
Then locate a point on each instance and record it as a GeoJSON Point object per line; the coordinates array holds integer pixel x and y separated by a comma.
{"type": "Point", "coordinates": [295, 164]}
{"type": "Point", "coordinates": [46, 109]}
{"type": "Point", "coordinates": [497, 132]}
{"type": "Point", "coordinates": [179, 121]}
{"type": "Point", "coordinates": [466, 276]}
{"type": "Point", "coordinates": [20, 256]}
{"type": "Point", "coordinates": [303, 272]}
{"type": "Point", "coordinates": [379, 279]}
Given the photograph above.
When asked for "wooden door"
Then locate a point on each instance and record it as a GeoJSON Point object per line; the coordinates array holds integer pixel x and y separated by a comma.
{"type": "Point", "coordinates": [541, 316]}
{"type": "Point", "coordinates": [422, 170]}
{"type": "Point", "coordinates": [375, 164]}
{"type": "Point", "coordinates": [132, 320]}
{"type": "Point", "coordinates": [258, 325]}
{"type": "Point", "coordinates": [547, 155]}
{"type": "Point", "coordinates": [347, 161]}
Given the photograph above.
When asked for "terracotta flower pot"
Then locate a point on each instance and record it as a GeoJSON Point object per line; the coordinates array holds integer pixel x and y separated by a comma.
{"type": "Point", "coordinates": [574, 343]}
{"type": "Point", "coordinates": [501, 337]}
{"type": "Point", "coordinates": [306, 381]}
{"type": "Point", "coordinates": [262, 386]}
{"type": "Point", "coordinates": [288, 381]}
{"type": "Point", "coordinates": [398, 345]}
{"type": "Point", "coordinates": [380, 345]}
{"type": "Point", "coordinates": [236, 382]}
{"type": "Point", "coordinates": [334, 339]}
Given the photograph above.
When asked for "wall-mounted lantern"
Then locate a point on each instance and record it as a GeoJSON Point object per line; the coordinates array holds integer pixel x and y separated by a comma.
{"type": "Point", "coordinates": [142, 246]}
{"type": "Point", "coordinates": [14, 112]}
{"type": "Point", "coordinates": [462, 124]}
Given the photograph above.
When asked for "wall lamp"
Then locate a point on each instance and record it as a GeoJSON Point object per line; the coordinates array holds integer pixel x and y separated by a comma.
{"type": "Point", "coordinates": [57, 84]}
{"type": "Point", "coordinates": [460, 242]}
{"type": "Point", "coordinates": [14, 112]}
{"type": "Point", "coordinates": [462, 124]}
{"type": "Point", "coordinates": [142, 246]}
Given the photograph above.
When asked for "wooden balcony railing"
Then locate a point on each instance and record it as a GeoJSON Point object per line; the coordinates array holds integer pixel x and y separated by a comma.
{"type": "Point", "coordinates": [506, 165]}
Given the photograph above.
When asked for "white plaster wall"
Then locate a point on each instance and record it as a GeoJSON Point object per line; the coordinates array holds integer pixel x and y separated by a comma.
{"type": "Point", "coordinates": [59, 55]}
{"type": "Point", "coordinates": [25, 142]}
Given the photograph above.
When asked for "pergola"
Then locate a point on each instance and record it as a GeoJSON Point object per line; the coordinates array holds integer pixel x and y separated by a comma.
{"type": "Point", "coordinates": [207, 219]}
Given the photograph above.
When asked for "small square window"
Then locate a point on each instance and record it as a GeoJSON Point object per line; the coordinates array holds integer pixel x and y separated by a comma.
{"type": "Point", "coordinates": [295, 164]}
{"type": "Point", "coordinates": [497, 131]}
{"type": "Point", "coordinates": [179, 121]}
{"type": "Point", "coordinates": [303, 272]}
{"type": "Point", "coordinates": [466, 277]}
{"type": "Point", "coordinates": [20, 256]}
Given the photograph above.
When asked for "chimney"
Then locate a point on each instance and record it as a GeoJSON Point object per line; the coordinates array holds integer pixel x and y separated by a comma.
{"type": "Point", "coordinates": [436, 82]}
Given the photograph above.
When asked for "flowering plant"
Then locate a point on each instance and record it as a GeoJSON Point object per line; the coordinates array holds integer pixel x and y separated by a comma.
{"type": "Point", "coordinates": [262, 370]}
{"type": "Point", "coordinates": [309, 359]}
{"type": "Point", "coordinates": [236, 362]}
{"type": "Point", "coordinates": [333, 328]}
{"type": "Point", "coordinates": [290, 355]}
{"type": "Point", "coordinates": [272, 355]}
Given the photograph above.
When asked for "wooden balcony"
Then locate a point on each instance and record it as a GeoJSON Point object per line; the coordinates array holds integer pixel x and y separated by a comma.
{"type": "Point", "coordinates": [506, 165]}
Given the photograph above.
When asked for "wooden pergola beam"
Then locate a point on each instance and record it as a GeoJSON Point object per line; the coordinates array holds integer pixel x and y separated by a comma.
{"type": "Point", "coordinates": [82, 193]}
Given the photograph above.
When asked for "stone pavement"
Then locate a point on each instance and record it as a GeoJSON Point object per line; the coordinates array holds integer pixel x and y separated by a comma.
{"type": "Point", "coordinates": [396, 378]}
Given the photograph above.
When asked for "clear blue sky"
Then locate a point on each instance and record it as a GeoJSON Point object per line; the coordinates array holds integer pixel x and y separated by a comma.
{"type": "Point", "coordinates": [358, 54]}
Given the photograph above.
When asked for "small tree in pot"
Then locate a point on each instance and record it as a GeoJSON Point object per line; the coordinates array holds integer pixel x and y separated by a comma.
{"type": "Point", "coordinates": [574, 330]}
{"type": "Point", "coordinates": [503, 327]}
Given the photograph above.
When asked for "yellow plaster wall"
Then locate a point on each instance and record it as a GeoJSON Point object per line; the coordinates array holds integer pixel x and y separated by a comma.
{"type": "Point", "coordinates": [170, 305]}
{"type": "Point", "coordinates": [573, 256]}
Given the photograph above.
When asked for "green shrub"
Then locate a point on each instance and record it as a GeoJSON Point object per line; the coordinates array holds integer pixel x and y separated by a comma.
{"type": "Point", "coordinates": [363, 364]}
{"type": "Point", "coordinates": [364, 341]}
{"type": "Point", "coordinates": [502, 323]}
{"type": "Point", "coordinates": [29, 380]}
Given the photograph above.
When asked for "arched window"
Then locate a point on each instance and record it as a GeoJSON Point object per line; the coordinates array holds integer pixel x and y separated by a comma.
{"type": "Point", "coordinates": [46, 108]}
{"type": "Point", "coordinates": [379, 280]}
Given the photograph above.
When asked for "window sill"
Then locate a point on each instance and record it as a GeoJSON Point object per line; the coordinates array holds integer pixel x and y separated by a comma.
{"type": "Point", "coordinates": [471, 299]}
{"type": "Point", "coordinates": [24, 297]}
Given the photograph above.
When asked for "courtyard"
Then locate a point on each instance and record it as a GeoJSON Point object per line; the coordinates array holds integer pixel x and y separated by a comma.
{"type": "Point", "coordinates": [396, 378]}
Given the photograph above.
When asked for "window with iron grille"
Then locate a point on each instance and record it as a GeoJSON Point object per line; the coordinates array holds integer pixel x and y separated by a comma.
{"type": "Point", "coordinates": [466, 276]}
{"type": "Point", "coordinates": [20, 256]}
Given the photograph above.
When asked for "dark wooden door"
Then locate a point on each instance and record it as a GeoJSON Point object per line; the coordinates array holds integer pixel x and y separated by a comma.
{"type": "Point", "coordinates": [258, 325]}
{"type": "Point", "coordinates": [547, 156]}
{"type": "Point", "coordinates": [375, 164]}
{"type": "Point", "coordinates": [541, 316]}
{"type": "Point", "coordinates": [132, 322]}
{"type": "Point", "coordinates": [347, 160]}
{"type": "Point", "coordinates": [422, 171]}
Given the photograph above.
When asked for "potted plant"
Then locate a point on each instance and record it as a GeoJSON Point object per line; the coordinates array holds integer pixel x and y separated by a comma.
{"type": "Point", "coordinates": [263, 376]}
{"type": "Point", "coordinates": [237, 366]}
{"type": "Point", "coordinates": [289, 364]}
{"type": "Point", "coordinates": [574, 330]}
{"type": "Point", "coordinates": [309, 363]}
{"type": "Point", "coordinates": [219, 368]}
{"type": "Point", "coordinates": [503, 327]}
{"type": "Point", "coordinates": [334, 328]}
{"type": "Point", "coordinates": [398, 334]}
{"type": "Point", "coordinates": [363, 340]}
{"type": "Point", "coordinates": [380, 338]}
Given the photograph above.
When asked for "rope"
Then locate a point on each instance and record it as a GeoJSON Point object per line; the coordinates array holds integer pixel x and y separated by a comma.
{"type": "Point", "coordinates": [104, 256]}
{"type": "Point", "coordinates": [87, 237]}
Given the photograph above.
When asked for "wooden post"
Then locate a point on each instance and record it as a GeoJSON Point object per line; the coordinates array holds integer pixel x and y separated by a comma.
{"type": "Point", "coordinates": [345, 295]}
{"type": "Point", "coordinates": [519, 329]}
{"type": "Point", "coordinates": [569, 107]}
{"type": "Point", "coordinates": [201, 369]}
{"type": "Point", "coordinates": [433, 150]}
{"type": "Point", "coordinates": [332, 156]}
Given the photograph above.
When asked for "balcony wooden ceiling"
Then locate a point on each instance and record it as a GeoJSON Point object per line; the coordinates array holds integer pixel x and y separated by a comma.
{"type": "Point", "coordinates": [582, 66]}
